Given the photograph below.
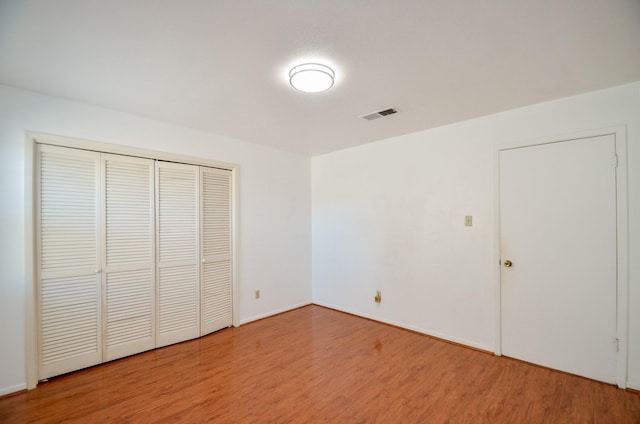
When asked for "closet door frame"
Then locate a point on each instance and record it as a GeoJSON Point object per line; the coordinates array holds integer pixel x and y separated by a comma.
{"type": "Point", "coordinates": [32, 139]}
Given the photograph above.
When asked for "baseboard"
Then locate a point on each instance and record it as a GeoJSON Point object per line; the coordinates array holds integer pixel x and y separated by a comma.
{"type": "Point", "coordinates": [446, 337]}
{"type": "Point", "coordinates": [633, 386]}
{"type": "Point", "coordinates": [12, 389]}
{"type": "Point", "coordinates": [274, 312]}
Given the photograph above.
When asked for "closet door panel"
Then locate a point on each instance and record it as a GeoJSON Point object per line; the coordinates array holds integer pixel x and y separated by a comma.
{"type": "Point", "coordinates": [216, 249]}
{"type": "Point", "coordinates": [68, 260]}
{"type": "Point", "coordinates": [177, 218]}
{"type": "Point", "coordinates": [129, 255]}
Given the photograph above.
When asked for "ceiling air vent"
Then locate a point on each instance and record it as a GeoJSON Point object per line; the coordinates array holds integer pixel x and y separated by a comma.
{"type": "Point", "coordinates": [380, 114]}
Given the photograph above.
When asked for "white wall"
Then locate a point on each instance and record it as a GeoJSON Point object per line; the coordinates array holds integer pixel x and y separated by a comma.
{"type": "Point", "coordinates": [274, 191]}
{"type": "Point", "coordinates": [389, 216]}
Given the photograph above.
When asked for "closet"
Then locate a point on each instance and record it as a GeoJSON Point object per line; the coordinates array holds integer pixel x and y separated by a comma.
{"type": "Point", "coordinates": [132, 254]}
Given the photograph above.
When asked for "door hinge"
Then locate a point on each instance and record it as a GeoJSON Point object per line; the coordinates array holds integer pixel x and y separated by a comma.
{"type": "Point", "coordinates": [615, 161]}
{"type": "Point", "coordinates": [617, 345]}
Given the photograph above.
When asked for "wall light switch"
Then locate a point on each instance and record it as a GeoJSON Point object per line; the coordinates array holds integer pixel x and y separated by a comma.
{"type": "Point", "coordinates": [257, 294]}
{"type": "Point", "coordinates": [468, 220]}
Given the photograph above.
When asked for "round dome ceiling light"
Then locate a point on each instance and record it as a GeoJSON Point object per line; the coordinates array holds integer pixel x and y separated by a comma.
{"type": "Point", "coordinates": [311, 77]}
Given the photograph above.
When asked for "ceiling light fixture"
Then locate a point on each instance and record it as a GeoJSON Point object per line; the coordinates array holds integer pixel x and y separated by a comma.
{"type": "Point", "coordinates": [311, 77]}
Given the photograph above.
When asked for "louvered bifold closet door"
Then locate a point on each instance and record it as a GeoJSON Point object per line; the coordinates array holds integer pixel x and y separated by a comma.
{"type": "Point", "coordinates": [129, 255]}
{"type": "Point", "coordinates": [216, 249]}
{"type": "Point", "coordinates": [177, 220]}
{"type": "Point", "coordinates": [68, 259]}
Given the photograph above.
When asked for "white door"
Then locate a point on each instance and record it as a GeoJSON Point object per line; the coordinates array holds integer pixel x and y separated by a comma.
{"type": "Point", "coordinates": [558, 230]}
{"type": "Point", "coordinates": [178, 279]}
{"type": "Point", "coordinates": [129, 255]}
{"type": "Point", "coordinates": [68, 260]}
{"type": "Point", "coordinates": [216, 249]}
{"type": "Point", "coordinates": [132, 254]}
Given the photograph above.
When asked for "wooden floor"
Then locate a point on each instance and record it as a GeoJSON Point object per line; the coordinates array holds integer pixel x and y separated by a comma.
{"type": "Point", "coordinates": [315, 365]}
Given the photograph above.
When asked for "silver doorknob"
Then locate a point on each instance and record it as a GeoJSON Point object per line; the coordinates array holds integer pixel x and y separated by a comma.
{"type": "Point", "coordinates": [507, 263]}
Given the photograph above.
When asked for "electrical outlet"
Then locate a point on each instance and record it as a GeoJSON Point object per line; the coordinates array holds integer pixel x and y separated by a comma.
{"type": "Point", "coordinates": [257, 294]}
{"type": "Point", "coordinates": [378, 297]}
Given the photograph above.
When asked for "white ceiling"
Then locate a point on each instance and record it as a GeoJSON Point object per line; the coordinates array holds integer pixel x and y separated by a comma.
{"type": "Point", "coordinates": [221, 65]}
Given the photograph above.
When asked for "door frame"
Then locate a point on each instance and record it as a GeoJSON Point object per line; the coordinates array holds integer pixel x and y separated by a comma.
{"type": "Point", "coordinates": [33, 138]}
{"type": "Point", "coordinates": [622, 237]}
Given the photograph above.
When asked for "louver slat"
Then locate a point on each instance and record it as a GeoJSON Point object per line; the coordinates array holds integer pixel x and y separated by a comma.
{"type": "Point", "coordinates": [73, 327]}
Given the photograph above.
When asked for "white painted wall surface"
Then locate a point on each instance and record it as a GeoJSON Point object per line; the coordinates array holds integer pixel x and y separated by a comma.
{"type": "Point", "coordinates": [389, 216]}
{"type": "Point", "coordinates": [274, 236]}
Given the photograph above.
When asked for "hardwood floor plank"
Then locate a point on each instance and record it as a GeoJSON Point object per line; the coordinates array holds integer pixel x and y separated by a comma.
{"type": "Point", "coordinates": [315, 365]}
